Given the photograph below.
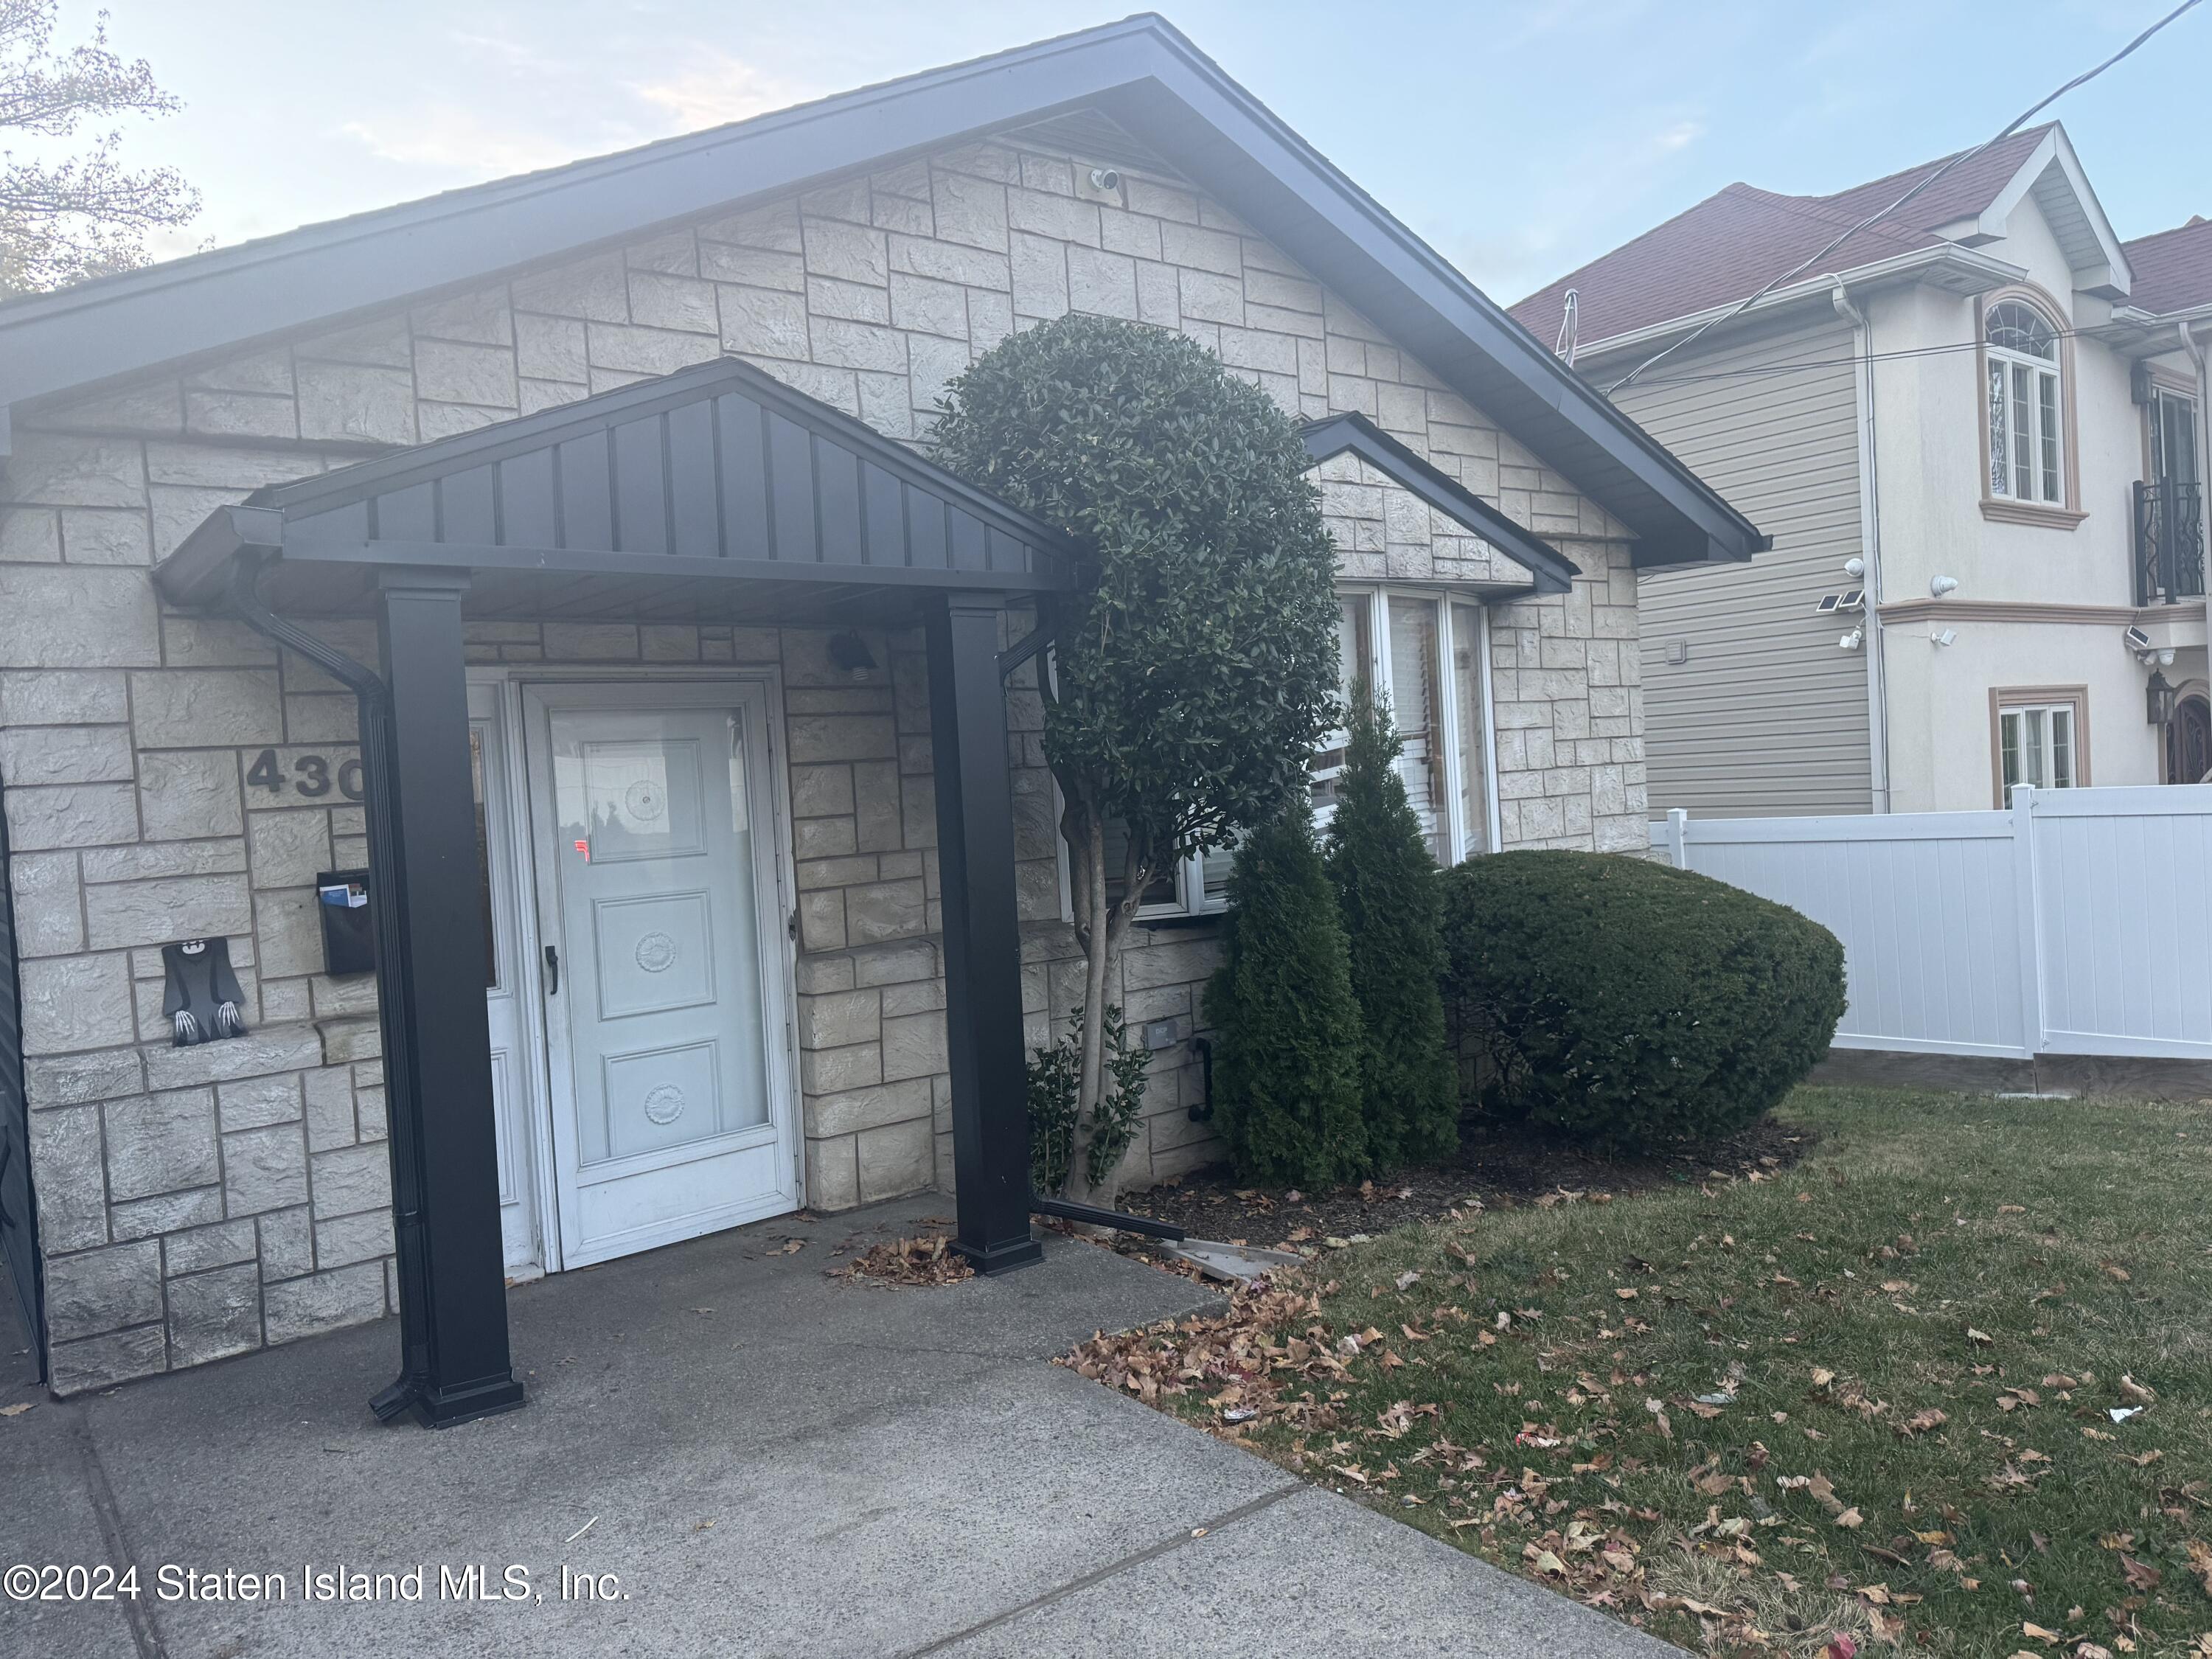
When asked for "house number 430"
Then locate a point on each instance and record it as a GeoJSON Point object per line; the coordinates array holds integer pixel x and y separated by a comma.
{"type": "Point", "coordinates": [311, 775]}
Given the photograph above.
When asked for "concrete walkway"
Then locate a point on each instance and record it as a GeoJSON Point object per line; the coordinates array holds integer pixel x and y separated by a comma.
{"type": "Point", "coordinates": [769, 1463]}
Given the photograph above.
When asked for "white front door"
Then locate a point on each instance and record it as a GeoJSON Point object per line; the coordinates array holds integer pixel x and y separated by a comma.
{"type": "Point", "coordinates": [655, 842]}
{"type": "Point", "coordinates": [508, 980]}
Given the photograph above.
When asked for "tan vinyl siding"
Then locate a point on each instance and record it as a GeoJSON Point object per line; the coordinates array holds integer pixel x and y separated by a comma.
{"type": "Point", "coordinates": [1768, 715]}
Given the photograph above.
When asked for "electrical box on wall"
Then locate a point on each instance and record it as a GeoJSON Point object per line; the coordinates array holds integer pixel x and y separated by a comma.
{"type": "Point", "coordinates": [349, 932]}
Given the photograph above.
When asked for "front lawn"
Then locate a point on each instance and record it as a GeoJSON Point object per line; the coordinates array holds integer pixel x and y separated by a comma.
{"type": "Point", "coordinates": [1869, 1396]}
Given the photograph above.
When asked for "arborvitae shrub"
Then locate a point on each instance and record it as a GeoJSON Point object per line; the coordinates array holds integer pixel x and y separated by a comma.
{"type": "Point", "coordinates": [1286, 1067]}
{"type": "Point", "coordinates": [1632, 1004]}
{"type": "Point", "coordinates": [1388, 894]}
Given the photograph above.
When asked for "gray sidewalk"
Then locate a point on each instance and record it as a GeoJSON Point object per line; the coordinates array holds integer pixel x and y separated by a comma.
{"type": "Point", "coordinates": [769, 1461]}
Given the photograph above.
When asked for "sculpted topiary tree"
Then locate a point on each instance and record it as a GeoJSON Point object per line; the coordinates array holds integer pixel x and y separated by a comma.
{"type": "Point", "coordinates": [1387, 888]}
{"type": "Point", "coordinates": [1196, 668]}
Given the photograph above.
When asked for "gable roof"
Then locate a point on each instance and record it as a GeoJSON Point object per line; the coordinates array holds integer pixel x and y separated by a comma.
{"type": "Point", "coordinates": [1741, 237]}
{"type": "Point", "coordinates": [1552, 571]}
{"type": "Point", "coordinates": [1141, 74]}
{"type": "Point", "coordinates": [700, 493]}
{"type": "Point", "coordinates": [2174, 269]}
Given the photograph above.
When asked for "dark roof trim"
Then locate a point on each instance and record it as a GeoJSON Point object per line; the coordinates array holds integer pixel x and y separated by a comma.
{"type": "Point", "coordinates": [1141, 72]}
{"type": "Point", "coordinates": [348, 516]}
{"type": "Point", "coordinates": [1553, 570]}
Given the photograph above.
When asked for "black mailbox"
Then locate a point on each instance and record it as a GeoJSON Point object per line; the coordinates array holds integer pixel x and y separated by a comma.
{"type": "Point", "coordinates": [349, 932]}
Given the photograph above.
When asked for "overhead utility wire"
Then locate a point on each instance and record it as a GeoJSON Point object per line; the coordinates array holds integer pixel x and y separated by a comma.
{"type": "Point", "coordinates": [1876, 217]}
{"type": "Point", "coordinates": [1796, 363]}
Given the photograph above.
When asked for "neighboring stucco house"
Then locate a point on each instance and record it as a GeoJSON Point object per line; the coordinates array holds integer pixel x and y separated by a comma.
{"type": "Point", "coordinates": [1975, 432]}
{"type": "Point", "coordinates": [565, 555]}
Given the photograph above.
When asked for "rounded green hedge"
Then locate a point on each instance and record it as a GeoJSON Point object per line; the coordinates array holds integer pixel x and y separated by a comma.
{"type": "Point", "coordinates": [1632, 1004]}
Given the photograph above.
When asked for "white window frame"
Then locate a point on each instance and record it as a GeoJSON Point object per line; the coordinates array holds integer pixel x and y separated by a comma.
{"type": "Point", "coordinates": [2020, 713]}
{"type": "Point", "coordinates": [1191, 899]}
{"type": "Point", "coordinates": [1459, 840]}
{"type": "Point", "coordinates": [2046, 430]}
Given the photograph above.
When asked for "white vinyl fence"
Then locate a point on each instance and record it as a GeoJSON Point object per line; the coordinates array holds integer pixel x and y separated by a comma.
{"type": "Point", "coordinates": [2078, 921]}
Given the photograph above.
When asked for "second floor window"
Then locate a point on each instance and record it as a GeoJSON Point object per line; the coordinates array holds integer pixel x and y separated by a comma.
{"type": "Point", "coordinates": [2025, 407]}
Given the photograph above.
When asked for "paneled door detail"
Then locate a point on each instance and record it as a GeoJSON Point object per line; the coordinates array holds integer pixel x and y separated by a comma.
{"type": "Point", "coordinates": [663, 971]}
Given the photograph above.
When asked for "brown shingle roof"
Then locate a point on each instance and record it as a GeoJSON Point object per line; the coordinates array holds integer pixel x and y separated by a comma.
{"type": "Point", "coordinates": [2173, 268]}
{"type": "Point", "coordinates": [1741, 237]}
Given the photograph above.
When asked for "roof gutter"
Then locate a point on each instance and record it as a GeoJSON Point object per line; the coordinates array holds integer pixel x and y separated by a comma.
{"type": "Point", "coordinates": [1957, 269]}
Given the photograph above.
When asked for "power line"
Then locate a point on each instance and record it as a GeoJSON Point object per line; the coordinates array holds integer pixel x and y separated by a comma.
{"type": "Point", "coordinates": [1879, 214]}
{"type": "Point", "coordinates": [1795, 364]}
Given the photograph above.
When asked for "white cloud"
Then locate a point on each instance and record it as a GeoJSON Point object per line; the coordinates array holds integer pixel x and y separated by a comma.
{"type": "Point", "coordinates": [456, 139]}
{"type": "Point", "coordinates": [1681, 135]}
{"type": "Point", "coordinates": [718, 88]}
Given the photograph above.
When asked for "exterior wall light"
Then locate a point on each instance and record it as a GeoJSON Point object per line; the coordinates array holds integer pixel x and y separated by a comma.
{"type": "Point", "coordinates": [2159, 699]}
{"type": "Point", "coordinates": [1944, 636]}
{"type": "Point", "coordinates": [1939, 585]}
{"type": "Point", "coordinates": [1852, 641]}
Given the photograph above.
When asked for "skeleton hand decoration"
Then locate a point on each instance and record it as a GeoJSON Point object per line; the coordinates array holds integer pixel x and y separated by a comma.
{"type": "Point", "coordinates": [188, 1029]}
{"type": "Point", "coordinates": [226, 1021]}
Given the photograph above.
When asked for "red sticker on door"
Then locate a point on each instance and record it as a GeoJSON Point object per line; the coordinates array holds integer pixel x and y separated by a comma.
{"type": "Point", "coordinates": [585, 848]}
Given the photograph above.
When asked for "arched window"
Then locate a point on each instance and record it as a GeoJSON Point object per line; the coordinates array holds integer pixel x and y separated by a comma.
{"type": "Point", "coordinates": [2022, 351]}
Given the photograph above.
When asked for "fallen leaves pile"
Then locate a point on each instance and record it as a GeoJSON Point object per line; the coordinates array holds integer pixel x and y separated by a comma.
{"type": "Point", "coordinates": [928, 1259]}
{"type": "Point", "coordinates": [1237, 1357]}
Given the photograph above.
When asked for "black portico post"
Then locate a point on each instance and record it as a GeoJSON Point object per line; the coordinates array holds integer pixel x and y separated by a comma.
{"type": "Point", "coordinates": [437, 1045]}
{"type": "Point", "coordinates": [983, 934]}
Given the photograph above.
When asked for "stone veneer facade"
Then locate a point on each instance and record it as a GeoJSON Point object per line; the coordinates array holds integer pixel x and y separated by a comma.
{"type": "Point", "coordinates": [197, 1203]}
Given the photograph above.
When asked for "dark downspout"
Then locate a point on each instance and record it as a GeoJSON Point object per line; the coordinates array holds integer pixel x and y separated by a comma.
{"type": "Point", "coordinates": [415, 1372]}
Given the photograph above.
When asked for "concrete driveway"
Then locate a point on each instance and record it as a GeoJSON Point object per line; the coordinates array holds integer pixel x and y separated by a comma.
{"type": "Point", "coordinates": [765, 1461]}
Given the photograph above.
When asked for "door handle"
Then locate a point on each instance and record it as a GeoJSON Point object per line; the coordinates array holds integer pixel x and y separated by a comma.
{"type": "Point", "coordinates": [552, 971]}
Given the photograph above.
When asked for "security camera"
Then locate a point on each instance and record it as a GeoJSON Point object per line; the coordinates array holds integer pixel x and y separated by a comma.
{"type": "Point", "coordinates": [2165, 656]}
{"type": "Point", "coordinates": [1944, 636]}
{"type": "Point", "coordinates": [1939, 585]}
{"type": "Point", "coordinates": [1855, 568]}
{"type": "Point", "coordinates": [1852, 641]}
{"type": "Point", "coordinates": [1105, 179]}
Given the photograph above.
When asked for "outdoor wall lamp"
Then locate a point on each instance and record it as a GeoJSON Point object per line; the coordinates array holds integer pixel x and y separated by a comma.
{"type": "Point", "coordinates": [1944, 636]}
{"type": "Point", "coordinates": [850, 652]}
{"type": "Point", "coordinates": [2159, 698]}
{"type": "Point", "coordinates": [1939, 585]}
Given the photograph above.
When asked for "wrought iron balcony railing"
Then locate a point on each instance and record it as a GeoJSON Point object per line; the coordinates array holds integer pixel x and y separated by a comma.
{"type": "Point", "coordinates": [2169, 541]}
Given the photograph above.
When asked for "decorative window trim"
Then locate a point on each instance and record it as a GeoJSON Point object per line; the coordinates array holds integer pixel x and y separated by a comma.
{"type": "Point", "coordinates": [2064, 514]}
{"type": "Point", "coordinates": [2006, 698]}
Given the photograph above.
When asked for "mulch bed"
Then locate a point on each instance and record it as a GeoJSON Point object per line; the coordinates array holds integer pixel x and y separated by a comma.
{"type": "Point", "coordinates": [1498, 1165]}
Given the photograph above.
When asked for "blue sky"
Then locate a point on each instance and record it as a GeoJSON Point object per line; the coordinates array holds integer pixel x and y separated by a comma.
{"type": "Point", "coordinates": [1519, 138]}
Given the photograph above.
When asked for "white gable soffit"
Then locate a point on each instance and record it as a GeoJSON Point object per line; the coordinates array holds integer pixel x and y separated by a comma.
{"type": "Point", "coordinates": [2052, 175]}
{"type": "Point", "coordinates": [1949, 266]}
